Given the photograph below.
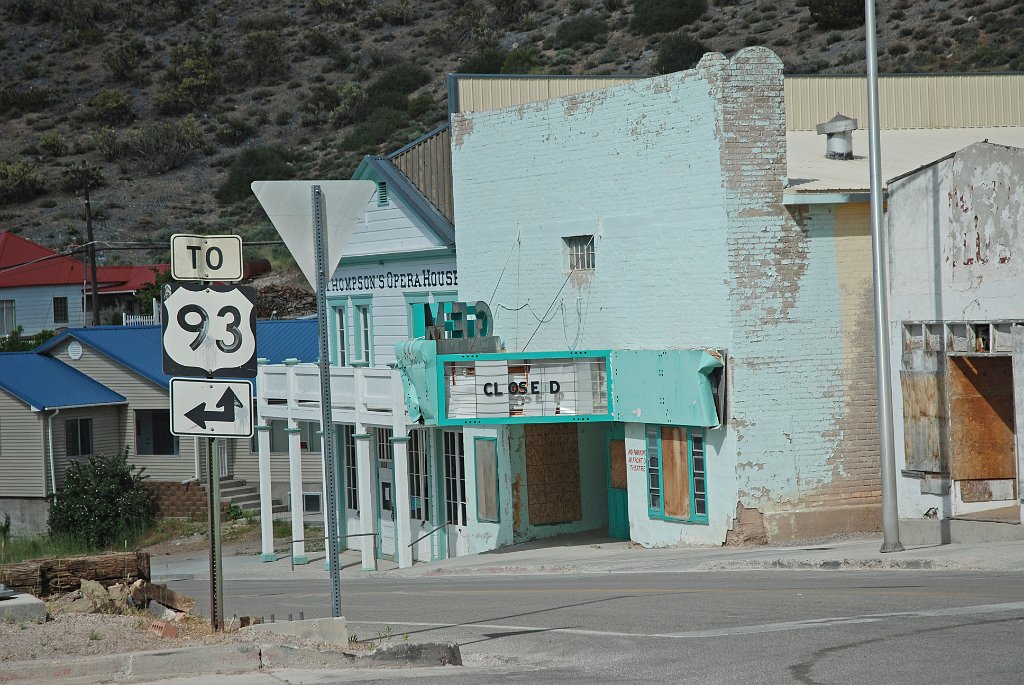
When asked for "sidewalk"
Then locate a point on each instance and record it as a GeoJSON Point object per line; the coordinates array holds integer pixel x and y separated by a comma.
{"type": "Point", "coordinates": [594, 553]}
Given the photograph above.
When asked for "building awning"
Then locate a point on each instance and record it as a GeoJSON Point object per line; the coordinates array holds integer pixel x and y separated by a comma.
{"type": "Point", "coordinates": [671, 387]}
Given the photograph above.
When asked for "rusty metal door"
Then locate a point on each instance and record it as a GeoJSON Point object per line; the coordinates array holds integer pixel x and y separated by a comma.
{"type": "Point", "coordinates": [981, 416]}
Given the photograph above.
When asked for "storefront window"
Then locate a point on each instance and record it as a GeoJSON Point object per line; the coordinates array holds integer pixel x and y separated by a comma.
{"type": "Point", "coordinates": [676, 482]}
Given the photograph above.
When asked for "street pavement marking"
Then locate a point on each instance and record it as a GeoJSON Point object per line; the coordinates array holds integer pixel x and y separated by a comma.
{"type": "Point", "coordinates": [725, 632]}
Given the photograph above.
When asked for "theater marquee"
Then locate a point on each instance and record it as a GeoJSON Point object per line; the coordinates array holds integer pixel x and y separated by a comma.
{"type": "Point", "coordinates": [525, 388]}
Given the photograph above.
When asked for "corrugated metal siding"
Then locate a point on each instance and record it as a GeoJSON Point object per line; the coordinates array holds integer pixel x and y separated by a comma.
{"type": "Point", "coordinates": [480, 93]}
{"type": "Point", "coordinates": [21, 450]}
{"type": "Point", "coordinates": [429, 167]}
{"type": "Point", "coordinates": [941, 101]}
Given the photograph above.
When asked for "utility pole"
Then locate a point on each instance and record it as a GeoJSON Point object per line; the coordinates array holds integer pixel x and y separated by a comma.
{"type": "Point", "coordinates": [86, 175]}
{"type": "Point", "coordinates": [883, 377]}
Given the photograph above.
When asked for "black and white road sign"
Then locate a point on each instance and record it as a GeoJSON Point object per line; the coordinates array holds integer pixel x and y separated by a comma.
{"type": "Point", "coordinates": [213, 408]}
{"type": "Point", "coordinates": [206, 257]}
{"type": "Point", "coordinates": [209, 331]}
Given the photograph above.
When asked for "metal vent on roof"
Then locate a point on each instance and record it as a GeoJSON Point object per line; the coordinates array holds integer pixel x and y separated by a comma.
{"type": "Point", "coordinates": [75, 350]}
{"type": "Point", "coordinates": [839, 129]}
{"type": "Point", "coordinates": [382, 194]}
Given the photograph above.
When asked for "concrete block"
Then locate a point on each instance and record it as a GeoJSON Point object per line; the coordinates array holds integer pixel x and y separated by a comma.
{"type": "Point", "coordinates": [332, 631]}
{"type": "Point", "coordinates": [415, 654]}
{"type": "Point", "coordinates": [194, 661]}
{"type": "Point", "coordinates": [23, 607]}
{"type": "Point", "coordinates": [286, 656]}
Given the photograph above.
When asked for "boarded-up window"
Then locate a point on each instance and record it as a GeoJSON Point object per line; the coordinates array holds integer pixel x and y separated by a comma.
{"type": "Point", "coordinates": [617, 455]}
{"type": "Point", "coordinates": [675, 464]}
{"type": "Point", "coordinates": [553, 473]}
{"type": "Point", "coordinates": [486, 479]}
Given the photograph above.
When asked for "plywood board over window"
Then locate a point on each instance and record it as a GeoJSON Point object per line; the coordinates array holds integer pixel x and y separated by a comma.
{"type": "Point", "coordinates": [675, 460]}
{"type": "Point", "coordinates": [553, 473]}
{"type": "Point", "coordinates": [981, 418]}
{"type": "Point", "coordinates": [617, 456]}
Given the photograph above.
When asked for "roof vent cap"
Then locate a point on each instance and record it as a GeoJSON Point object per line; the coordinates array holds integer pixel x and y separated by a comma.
{"type": "Point", "coordinates": [839, 130]}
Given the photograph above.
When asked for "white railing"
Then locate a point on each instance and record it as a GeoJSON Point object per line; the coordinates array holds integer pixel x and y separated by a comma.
{"type": "Point", "coordinates": [143, 319]}
{"type": "Point", "coordinates": [363, 395]}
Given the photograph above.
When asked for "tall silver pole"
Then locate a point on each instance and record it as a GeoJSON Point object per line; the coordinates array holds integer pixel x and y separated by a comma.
{"type": "Point", "coordinates": [887, 452]}
{"type": "Point", "coordinates": [326, 420]}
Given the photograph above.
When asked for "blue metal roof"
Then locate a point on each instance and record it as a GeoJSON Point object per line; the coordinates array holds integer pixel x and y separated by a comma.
{"type": "Point", "coordinates": [47, 383]}
{"type": "Point", "coordinates": [140, 348]}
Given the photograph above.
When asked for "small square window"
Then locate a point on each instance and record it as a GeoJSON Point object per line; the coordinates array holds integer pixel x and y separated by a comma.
{"type": "Point", "coordinates": [311, 502]}
{"type": "Point", "coordinates": [581, 252]}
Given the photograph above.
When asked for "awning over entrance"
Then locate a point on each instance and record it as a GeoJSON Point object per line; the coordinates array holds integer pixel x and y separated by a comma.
{"type": "Point", "coordinates": [672, 387]}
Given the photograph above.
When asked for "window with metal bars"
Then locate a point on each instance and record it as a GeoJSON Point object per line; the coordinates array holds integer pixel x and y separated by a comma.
{"type": "Point", "coordinates": [454, 478]}
{"type": "Point", "coordinates": [580, 249]}
{"type": "Point", "coordinates": [348, 451]}
{"type": "Point", "coordinates": [676, 474]}
{"type": "Point", "coordinates": [385, 450]}
{"type": "Point", "coordinates": [419, 478]}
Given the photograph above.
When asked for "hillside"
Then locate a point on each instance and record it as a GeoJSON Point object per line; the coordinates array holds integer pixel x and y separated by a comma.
{"type": "Point", "coordinates": [174, 105]}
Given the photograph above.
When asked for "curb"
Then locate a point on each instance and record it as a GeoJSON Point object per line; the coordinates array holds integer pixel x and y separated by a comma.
{"type": "Point", "coordinates": [832, 565]}
{"type": "Point", "coordinates": [226, 659]}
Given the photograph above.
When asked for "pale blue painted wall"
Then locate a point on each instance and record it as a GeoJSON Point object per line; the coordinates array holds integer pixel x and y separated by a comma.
{"type": "Point", "coordinates": [34, 306]}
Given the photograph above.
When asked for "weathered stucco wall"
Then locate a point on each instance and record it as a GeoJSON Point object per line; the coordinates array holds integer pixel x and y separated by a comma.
{"type": "Point", "coordinates": [955, 247]}
{"type": "Point", "coordinates": [679, 179]}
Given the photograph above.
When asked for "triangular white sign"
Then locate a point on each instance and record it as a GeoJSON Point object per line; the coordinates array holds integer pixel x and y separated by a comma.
{"type": "Point", "coordinates": [289, 204]}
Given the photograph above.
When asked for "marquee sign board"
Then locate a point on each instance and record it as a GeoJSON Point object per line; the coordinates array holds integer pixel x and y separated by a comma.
{"type": "Point", "coordinates": [209, 331]}
{"type": "Point", "coordinates": [206, 257]}
{"type": "Point", "coordinates": [211, 408]}
{"type": "Point", "coordinates": [524, 390]}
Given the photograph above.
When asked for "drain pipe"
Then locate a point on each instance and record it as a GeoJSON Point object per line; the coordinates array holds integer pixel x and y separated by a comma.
{"type": "Point", "coordinates": [49, 437]}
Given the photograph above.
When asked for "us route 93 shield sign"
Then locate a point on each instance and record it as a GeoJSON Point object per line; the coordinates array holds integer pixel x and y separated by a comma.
{"type": "Point", "coordinates": [209, 330]}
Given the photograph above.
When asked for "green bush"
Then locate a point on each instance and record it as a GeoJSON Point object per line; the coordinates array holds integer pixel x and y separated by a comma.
{"type": "Point", "coordinates": [394, 13]}
{"type": "Point", "coordinates": [339, 9]}
{"type": "Point", "coordinates": [262, 163]}
{"type": "Point", "coordinates": [53, 144]}
{"type": "Point", "coordinates": [375, 131]}
{"type": "Point", "coordinates": [264, 22]}
{"type": "Point", "coordinates": [101, 500]}
{"type": "Point", "coordinates": [678, 52]}
{"type": "Point", "coordinates": [837, 14]}
{"type": "Point", "coordinates": [75, 178]}
{"type": "Point", "coordinates": [513, 11]}
{"type": "Point", "coordinates": [319, 44]}
{"type": "Point", "coordinates": [25, 99]}
{"type": "Point", "coordinates": [497, 61]}
{"type": "Point", "coordinates": [14, 342]}
{"type": "Point", "coordinates": [263, 57]}
{"type": "Point", "coordinates": [192, 81]}
{"type": "Point", "coordinates": [584, 28]}
{"type": "Point", "coordinates": [162, 145]}
{"type": "Point", "coordinates": [111, 107]}
{"type": "Point", "coordinates": [235, 131]}
{"type": "Point", "coordinates": [662, 16]}
{"type": "Point", "coordinates": [20, 181]}
{"type": "Point", "coordinates": [123, 60]}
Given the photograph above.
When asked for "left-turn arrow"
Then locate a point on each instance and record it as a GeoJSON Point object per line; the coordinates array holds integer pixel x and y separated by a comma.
{"type": "Point", "coordinates": [199, 415]}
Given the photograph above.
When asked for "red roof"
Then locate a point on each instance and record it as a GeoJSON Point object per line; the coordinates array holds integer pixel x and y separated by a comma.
{"type": "Point", "coordinates": [25, 263]}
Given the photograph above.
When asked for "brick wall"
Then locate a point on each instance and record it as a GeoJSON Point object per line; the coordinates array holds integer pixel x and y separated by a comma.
{"type": "Point", "coordinates": [179, 500]}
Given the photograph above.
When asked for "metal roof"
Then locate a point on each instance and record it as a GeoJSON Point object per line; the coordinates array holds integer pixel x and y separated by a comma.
{"type": "Point", "coordinates": [140, 348]}
{"type": "Point", "coordinates": [400, 186]}
{"type": "Point", "coordinates": [43, 382]}
{"type": "Point", "coordinates": [903, 151]}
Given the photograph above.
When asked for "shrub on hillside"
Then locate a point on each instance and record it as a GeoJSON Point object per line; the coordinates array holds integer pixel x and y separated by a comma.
{"type": "Point", "coordinates": [513, 11]}
{"type": "Point", "coordinates": [261, 163]}
{"type": "Point", "coordinates": [53, 144]}
{"type": "Point", "coordinates": [264, 22]}
{"type": "Point", "coordinates": [25, 99]}
{"type": "Point", "coordinates": [123, 60]}
{"type": "Point", "coordinates": [192, 81]}
{"type": "Point", "coordinates": [375, 131]}
{"type": "Point", "coordinates": [837, 14]}
{"type": "Point", "coordinates": [263, 57]}
{"type": "Point", "coordinates": [102, 499]}
{"type": "Point", "coordinates": [111, 107]}
{"type": "Point", "coordinates": [20, 181]}
{"type": "Point", "coordinates": [498, 61]}
{"type": "Point", "coordinates": [162, 145]}
{"type": "Point", "coordinates": [677, 52]}
{"type": "Point", "coordinates": [584, 28]}
{"type": "Point", "coordinates": [662, 16]}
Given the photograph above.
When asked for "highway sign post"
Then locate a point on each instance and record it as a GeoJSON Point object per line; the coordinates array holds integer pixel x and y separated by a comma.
{"type": "Point", "coordinates": [211, 408]}
{"type": "Point", "coordinates": [206, 257]}
{"type": "Point", "coordinates": [210, 330]}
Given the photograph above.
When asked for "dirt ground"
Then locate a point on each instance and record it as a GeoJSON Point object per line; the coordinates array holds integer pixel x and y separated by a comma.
{"type": "Point", "coordinates": [76, 634]}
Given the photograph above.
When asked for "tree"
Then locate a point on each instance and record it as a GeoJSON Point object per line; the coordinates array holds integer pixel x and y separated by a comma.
{"type": "Point", "coordinates": [102, 499]}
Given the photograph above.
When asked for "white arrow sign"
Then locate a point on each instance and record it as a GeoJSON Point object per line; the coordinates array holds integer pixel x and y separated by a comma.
{"type": "Point", "coordinates": [213, 408]}
{"type": "Point", "coordinates": [289, 205]}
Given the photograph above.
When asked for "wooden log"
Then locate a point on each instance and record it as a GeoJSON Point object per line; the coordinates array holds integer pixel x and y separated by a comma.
{"type": "Point", "coordinates": [168, 597]}
{"type": "Point", "coordinates": [43, 577]}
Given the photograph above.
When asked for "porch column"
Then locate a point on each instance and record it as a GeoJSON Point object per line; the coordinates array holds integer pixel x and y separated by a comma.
{"type": "Point", "coordinates": [266, 496]}
{"type": "Point", "coordinates": [1017, 361]}
{"type": "Point", "coordinates": [295, 483]}
{"type": "Point", "coordinates": [402, 504]}
{"type": "Point", "coordinates": [367, 493]}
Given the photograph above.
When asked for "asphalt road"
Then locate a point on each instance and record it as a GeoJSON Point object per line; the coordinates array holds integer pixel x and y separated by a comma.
{"type": "Point", "coordinates": [732, 627]}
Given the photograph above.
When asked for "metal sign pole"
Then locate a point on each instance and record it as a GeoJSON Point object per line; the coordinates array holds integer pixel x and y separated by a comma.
{"type": "Point", "coordinates": [216, 567]}
{"type": "Point", "coordinates": [326, 420]}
